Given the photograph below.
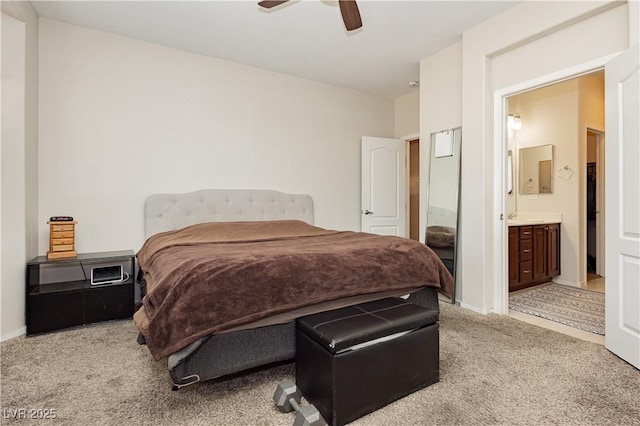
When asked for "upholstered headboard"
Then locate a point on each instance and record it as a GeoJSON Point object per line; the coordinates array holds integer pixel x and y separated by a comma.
{"type": "Point", "coordinates": [167, 212]}
{"type": "Point", "coordinates": [441, 216]}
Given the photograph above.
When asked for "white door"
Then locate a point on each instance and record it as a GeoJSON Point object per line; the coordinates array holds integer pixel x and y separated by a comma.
{"type": "Point", "coordinates": [622, 222]}
{"type": "Point", "coordinates": [383, 186]}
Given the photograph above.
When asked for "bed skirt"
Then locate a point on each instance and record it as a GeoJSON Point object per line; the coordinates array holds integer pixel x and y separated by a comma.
{"type": "Point", "coordinates": [226, 354]}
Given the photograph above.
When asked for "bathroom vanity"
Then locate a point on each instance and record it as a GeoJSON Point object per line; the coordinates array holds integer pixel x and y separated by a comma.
{"type": "Point", "coordinates": [534, 253]}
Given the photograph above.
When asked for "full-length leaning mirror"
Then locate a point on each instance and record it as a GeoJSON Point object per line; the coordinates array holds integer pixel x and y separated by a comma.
{"type": "Point", "coordinates": [443, 198]}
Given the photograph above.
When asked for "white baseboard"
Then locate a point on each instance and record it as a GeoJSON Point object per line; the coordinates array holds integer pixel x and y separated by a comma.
{"type": "Point", "coordinates": [566, 282]}
{"type": "Point", "coordinates": [16, 333]}
{"type": "Point", "coordinates": [473, 308]}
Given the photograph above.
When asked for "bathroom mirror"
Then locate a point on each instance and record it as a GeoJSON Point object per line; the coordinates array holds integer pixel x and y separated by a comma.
{"type": "Point", "coordinates": [535, 170]}
{"type": "Point", "coordinates": [443, 198]}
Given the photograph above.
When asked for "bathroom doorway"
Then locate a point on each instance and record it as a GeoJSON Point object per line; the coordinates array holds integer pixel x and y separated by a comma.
{"type": "Point", "coordinates": [595, 210]}
{"type": "Point", "coordinates": [552, 115]}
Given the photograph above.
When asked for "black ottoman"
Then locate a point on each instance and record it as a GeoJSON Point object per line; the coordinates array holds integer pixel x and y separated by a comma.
{"type": "Point", "coordinates": [354, 360]}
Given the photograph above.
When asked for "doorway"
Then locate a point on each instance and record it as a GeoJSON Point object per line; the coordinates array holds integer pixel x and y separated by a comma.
{"type": "Point", "coordinates": [413, 168]}
{"type": "Point", "coordinates": [552, 114]}
{"type": "Point", "coordinates": [595, 210]}
{"type": "Point", "coordinates": [391, 186]}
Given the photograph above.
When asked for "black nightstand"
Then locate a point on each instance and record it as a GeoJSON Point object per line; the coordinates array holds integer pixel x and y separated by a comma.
{"type": "Point", "coordinates": [59, 293]}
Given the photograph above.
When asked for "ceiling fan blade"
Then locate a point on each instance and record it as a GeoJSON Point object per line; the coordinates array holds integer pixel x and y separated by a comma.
{"type": "Point", "coordinates": [268, 4]}
{"type": "Point", "coordinates": [350, 14]}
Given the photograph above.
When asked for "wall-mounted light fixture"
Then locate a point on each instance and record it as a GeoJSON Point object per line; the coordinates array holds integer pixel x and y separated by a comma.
{"type": "Point", "coordinates": [514, 122]}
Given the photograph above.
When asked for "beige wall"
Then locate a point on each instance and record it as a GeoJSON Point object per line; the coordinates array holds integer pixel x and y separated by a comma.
{"type": "Point", "coordinates": [122, 119]}
{"type": "Point", "coordinates": [407, 115]}
{"type": "Point", "coordinates": [19, 160]}
{"type": "Point", "coordinates": [440, 108]}
{"type": "Point", "coordinates": [530, 42]}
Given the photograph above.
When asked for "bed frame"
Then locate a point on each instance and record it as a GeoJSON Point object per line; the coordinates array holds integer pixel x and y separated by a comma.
{"type": "Point", "coordinates": [230, 353]}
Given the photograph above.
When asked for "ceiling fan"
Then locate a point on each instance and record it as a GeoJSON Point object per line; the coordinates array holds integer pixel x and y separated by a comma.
{"type": "Point", "coordinates": [348, 8]}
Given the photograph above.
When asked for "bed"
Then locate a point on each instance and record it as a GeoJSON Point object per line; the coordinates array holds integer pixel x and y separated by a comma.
{"type": "Point", "coordinates": [211, 312]}
{"type": "Point", "coordinates": [441, 234]}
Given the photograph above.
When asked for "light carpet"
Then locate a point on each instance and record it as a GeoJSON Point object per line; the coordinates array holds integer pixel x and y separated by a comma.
{"type": "Point", "coordinates": [575, 307]}
{"type": "Point", "coordinates": [494, 370]}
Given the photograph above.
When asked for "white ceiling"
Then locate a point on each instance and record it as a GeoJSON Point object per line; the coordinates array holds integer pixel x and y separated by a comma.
{"type": "Point", "coordinates": [301, 38]}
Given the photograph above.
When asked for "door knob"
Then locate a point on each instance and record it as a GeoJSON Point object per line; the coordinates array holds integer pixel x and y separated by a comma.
{"type": "Point", "coordinates": [367, 212]}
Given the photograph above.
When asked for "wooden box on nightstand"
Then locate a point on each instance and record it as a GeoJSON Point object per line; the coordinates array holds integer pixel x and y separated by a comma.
{"type": "Point", "coordinates": [62, 235]}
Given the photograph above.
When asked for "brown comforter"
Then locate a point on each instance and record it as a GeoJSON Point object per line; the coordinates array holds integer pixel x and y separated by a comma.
{"type": "Point", "coordinates": [211, 277]}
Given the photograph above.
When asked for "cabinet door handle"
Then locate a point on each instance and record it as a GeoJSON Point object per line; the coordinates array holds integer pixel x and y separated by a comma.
{"type": "Point", "coordinates": [546, 228]}
{"type": "Point", "coordinates": [526, 251]}
{"type": "Point", "coordinates": [526, 233]}
{"type": "Point", "coordinates": [526, 272]}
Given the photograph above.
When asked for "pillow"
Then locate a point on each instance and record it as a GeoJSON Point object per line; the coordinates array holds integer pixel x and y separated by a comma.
{"type": "Point", "coordinates": [440, 236]}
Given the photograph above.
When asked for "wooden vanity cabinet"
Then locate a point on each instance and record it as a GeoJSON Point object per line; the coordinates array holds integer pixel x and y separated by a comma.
{"type": "Point", "coordinates": [553, 250]}
{"type": "Point", "coordinates": [513, 257]}
{"type": "Point", "coordinates": [540, 253]}
{"type": "Point", "coordinates": [534, 254]}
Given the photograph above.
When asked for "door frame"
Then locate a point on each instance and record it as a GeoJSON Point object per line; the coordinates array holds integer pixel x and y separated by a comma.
{"type": "Point", "coordinates": [500, 226]}
{"type": "Point", "coordinates": [407, 140]}
{"type": "Point", "coordinates": [600, 204]}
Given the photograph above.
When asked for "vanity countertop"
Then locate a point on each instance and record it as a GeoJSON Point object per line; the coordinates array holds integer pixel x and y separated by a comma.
{"type": "Point", "coordinates": [524, 222]}
{"type": "Point", "coordinates": [534, 218]}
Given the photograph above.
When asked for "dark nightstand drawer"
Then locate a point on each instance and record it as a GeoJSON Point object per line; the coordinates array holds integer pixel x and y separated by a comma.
{"type": "Point", "coordinates": [109, 302]}
{"type": "Point", "coordinates": [53, 311]}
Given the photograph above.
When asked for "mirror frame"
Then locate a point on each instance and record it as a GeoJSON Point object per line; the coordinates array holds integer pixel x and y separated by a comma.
{"type": "Point", "coordinates": [448, 256]}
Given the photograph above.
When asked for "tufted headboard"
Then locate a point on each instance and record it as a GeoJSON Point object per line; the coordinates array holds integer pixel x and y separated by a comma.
{"type": "Point", "coordinates": [167, 212]}
{"type": "Point", "coordinates": [440, 216]}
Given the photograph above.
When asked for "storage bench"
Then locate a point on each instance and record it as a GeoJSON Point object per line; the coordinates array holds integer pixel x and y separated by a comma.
{"type": "Point", "coordinates": [355, 360]}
